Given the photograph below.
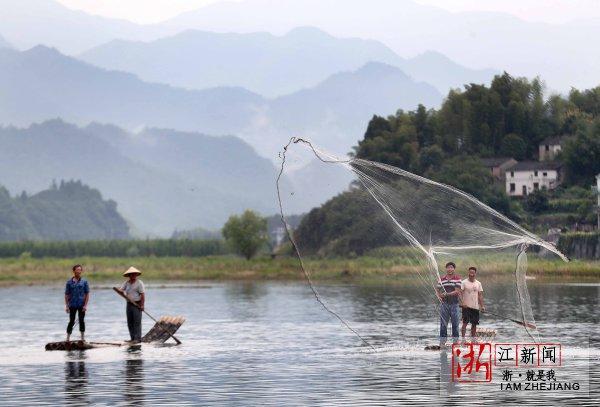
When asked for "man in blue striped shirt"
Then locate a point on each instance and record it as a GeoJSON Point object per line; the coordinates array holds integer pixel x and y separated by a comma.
{"type": "Point", "coordinates": [77, 295]}
{"type": "Point", "coordinates": [448, 291]}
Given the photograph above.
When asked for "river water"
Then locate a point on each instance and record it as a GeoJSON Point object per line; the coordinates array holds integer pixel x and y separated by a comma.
{"type": "Point", "coordinates": [270, 343]}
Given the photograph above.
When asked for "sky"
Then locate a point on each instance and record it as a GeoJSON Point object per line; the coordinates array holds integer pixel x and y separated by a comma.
{"type": "Point", "coordinates": [152, 11]}
{"type": "Point", "coordinates": [138, 11]}
{"type": "Point", "coordinates": [550, 11]}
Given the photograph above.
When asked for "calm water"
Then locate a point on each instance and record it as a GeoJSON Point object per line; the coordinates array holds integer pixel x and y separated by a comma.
{"type": "Point", "coordinates": [267, 344]}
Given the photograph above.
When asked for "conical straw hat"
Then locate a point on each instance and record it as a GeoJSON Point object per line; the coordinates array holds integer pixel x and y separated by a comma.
{"type": "Point", "coordinates": [131, 270]}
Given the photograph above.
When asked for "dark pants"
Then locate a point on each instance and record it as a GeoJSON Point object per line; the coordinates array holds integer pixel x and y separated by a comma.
{"type": "Point", "coordinates": [72, 312]}
{"type": "Point", "coordinates": [134, 322]}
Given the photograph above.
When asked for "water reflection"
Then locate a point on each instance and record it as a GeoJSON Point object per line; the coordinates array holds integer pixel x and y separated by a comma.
{"type": "Point", "coordinates": [243, 299]}
{"type": "Point", "coordinates": [133, 391]}
{"type": "Point", "coordinates": [261, 343]}
{"type": "Point", "coordinates": [447, 385]}
{"type": "Point", "coordinates": [76, 383]}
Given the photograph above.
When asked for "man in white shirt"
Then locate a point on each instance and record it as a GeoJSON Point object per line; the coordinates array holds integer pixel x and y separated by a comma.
{"type": "Point", "coordinates": [134, 289]}
{"type": "Point", "coordinates": [472, 302]}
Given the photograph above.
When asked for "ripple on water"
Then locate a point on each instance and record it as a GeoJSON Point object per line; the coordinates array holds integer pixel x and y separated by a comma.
{"type": "Point", "coordinates": [258, 344]}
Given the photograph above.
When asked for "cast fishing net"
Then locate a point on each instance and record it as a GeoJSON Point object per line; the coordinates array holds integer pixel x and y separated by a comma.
{"type": "Point", "coordinates": [411, 226]}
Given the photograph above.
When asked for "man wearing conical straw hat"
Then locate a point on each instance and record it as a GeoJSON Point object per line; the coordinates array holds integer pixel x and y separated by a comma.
{"type": "Point", "coordinates": [134, 289]}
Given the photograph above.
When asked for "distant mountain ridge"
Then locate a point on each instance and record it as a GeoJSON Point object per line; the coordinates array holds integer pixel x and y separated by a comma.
{"type": "Point", "coordinates": [42, 83]}
{"type": "Point", "coordinates": [560, 53]}
{"type": "Point", "coordinates": [69, 211]}
{"type": "Point", "coordinates": [193, 184]}
{"type": "Point", "coordinates": [27, 23]}
{"type": "Point", "coordinates": [267, 64]}
{"type": "Point", "coordinates": [343, 103]}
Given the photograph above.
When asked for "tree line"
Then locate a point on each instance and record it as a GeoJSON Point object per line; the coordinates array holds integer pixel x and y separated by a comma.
{"type": "Point", "coordinates": [508, 118]}
{"type": "Point", "coordinates": [115, 248]}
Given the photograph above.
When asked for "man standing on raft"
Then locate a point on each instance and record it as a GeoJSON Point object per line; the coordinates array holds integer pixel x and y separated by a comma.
{"type": "Point", "coordinates": [448, 291]}
{"type": "Point", "coordinates": [472, 303]}
{"type": "Point", "coordinates": [77, 295]}
{"type": "Point", "coordinates": [134, 289]}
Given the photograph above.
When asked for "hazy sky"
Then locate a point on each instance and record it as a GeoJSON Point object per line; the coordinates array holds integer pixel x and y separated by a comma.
{"type": "Point", "coordinates": [551, 11]}
{"type": "Point", "coordinates": [139, 11]}
{"type": "Point", "coordinates": [149, 11]}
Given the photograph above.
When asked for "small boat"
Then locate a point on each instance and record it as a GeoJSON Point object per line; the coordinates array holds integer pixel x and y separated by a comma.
{"type": "Point", "coordinates": [164, 329]}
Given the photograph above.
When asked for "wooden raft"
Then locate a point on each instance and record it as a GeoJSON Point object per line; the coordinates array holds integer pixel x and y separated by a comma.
{"type": "Point", "coordinates": [158, 334]}
{"type": "Point", "coordinates": [483, 335]}
{"type": "Point", "coordinates": [160, 331]}
{"type": "Point", "coordinates": [80, 345]}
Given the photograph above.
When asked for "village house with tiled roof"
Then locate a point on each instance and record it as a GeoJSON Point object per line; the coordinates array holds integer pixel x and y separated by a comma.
{"type": "Point", "coordinates": [527, 176]}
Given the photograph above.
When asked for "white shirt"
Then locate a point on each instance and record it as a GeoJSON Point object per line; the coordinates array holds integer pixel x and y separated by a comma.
{"type": "Point", "coordinates": [134, 291]}
{"type": "Point", "coordinates": [470, 293]}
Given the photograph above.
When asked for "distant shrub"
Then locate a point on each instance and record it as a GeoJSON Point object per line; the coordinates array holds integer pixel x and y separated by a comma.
{"type": "Point", "coordinates": [536, 202]}
{"type": "Point", "coordinates": [566, 205]}
{"type": "Point", "coordinates": [580, 245]}
{"type": "Point", "coordinates": [115, 248]}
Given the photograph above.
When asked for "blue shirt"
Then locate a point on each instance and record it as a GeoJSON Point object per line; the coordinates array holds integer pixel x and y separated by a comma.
{"type": "Point", "coordinates": [76, 290]}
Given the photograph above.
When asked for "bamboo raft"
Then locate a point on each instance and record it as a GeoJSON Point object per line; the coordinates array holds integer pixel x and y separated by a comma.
{"type": "Point", "coordinates": [483, 335]}
{"type": "Point", "coordinates": [159, 333]}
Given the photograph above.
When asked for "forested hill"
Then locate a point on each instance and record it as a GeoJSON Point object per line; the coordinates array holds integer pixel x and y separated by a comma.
{"type": "Point", "coordinates": [69, 211]}
{"type": "Point", "coordinates": [507, 119]}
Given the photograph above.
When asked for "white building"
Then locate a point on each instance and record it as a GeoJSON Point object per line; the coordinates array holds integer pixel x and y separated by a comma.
{"type": "Point", "coordinates": [527, 176]}
{"type": "Point", "coordinates": [550, 147]}
{"type": "Point", "coordinates": [498, 165]}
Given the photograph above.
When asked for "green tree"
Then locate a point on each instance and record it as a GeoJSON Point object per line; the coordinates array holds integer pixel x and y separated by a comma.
{"type": "Point", "coordinates": [431, 158]}
{"type": "Point", "coordinates": [465, 173]}
{"type": "Point", "coordinates": [514, 146]}
{"type": "Point", "coordinates": [537, 202]}
{"type": "Point", "coordinates": [582, 155]}
{"type": "Point", "coordinates": [246, 233]}
{"type": "Point", "coordinates": [469, 175]}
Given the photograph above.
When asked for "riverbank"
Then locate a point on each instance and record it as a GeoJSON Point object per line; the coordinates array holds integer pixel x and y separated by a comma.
{"type": "Point", "coordinates": [24, 270]}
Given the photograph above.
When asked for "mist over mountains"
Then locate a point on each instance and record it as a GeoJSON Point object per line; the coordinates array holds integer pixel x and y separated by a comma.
{"type": "Point", "coordinates": [160, 179]}
{"type": "Point", "coordinates": [267, 64]}
{"type": "Point", "coordinates": [27, 23]}
{"type": "Point", "coordinates": [42, 83]}
{"type": "Point", "coordinates": [562, 54]}
{"type": "Point", "coordinates": [194, 115]}
{"type": "Point", "coordinates": [4, 43]}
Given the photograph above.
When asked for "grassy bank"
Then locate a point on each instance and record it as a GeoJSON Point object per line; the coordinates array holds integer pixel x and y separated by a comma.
{"type": "Point", "coordinates": [24, 270]}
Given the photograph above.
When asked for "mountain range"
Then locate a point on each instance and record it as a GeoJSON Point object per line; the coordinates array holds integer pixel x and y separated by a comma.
{"type": "Point", "coordinates": [267, 64]}
{"type": "Point", "coordinates": [293, 69]}
{"type": "Point", "coordinates": [42, 83]}
{"type": "Point", "coordinates": [162, 180]}
{"type": "Point", "coordinates": [27, 23]}
{"type": "Point", "coordinates": [562, 54]}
